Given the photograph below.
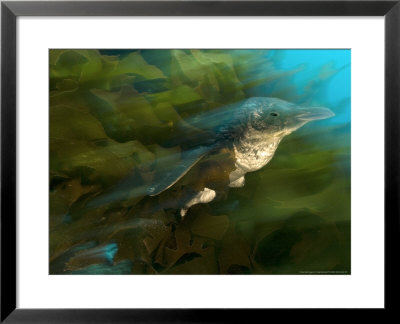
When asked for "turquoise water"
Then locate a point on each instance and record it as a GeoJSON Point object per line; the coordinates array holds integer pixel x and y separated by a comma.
{"type": "Point", "coordinates": [334, 90]}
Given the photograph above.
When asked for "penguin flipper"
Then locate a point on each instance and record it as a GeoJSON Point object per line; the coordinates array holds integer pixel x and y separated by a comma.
{"type": "Point", "coordinates": [189, 159]}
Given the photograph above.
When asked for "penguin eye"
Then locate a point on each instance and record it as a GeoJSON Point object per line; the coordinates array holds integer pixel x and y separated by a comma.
{"type": "Point", "coordinates": [274, 114]}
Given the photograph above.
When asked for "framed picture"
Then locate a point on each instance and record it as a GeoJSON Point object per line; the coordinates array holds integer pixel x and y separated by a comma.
{"type": "Point", "coordinates": [197, 160]}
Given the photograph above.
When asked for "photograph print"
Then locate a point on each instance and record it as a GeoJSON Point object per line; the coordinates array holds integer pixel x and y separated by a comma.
{"type": "Point", "coordinates": [199, 161]}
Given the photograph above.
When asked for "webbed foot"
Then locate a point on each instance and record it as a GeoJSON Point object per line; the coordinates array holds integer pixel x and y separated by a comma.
{"type": "Point", "coordinates": [202, 197]}
{"type": "Point", "coordinates": [238, 183]}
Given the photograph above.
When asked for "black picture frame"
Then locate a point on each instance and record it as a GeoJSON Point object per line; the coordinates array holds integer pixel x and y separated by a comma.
{"type": "Point", "coordinates": [10, 10]}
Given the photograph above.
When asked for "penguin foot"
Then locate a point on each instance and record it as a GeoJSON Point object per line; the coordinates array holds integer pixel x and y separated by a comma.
{"type": "Point", "coordinates": [202, 197]}
{"type": "Point", "coordinates": [238, 183]}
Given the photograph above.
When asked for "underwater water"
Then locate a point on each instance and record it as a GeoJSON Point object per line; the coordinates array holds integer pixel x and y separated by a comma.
{"type": "Point", "coordinates": [121, 120]}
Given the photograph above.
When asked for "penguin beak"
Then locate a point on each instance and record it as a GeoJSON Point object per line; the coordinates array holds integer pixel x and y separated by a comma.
{"type": "Point", "coordinates": [315, 113]}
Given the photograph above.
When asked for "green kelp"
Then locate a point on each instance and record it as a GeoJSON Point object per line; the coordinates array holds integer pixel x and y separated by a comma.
{"type": "Point", "coordinates": [120, 119]}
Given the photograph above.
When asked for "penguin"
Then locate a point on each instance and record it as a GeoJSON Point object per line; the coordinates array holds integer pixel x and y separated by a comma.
{"type": "Point", "coordinates": [250, 130]}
